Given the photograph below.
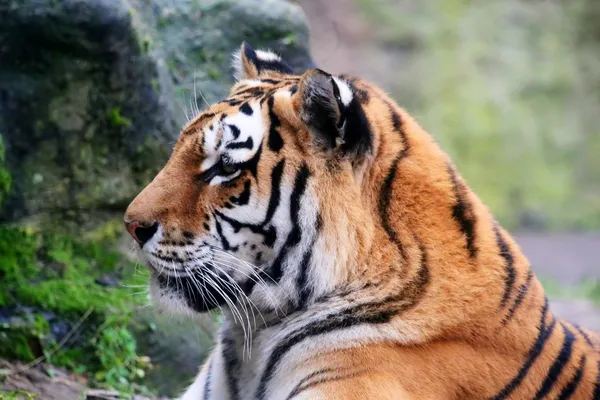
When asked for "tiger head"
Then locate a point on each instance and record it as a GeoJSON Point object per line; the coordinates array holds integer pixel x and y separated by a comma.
{"type": "Point", "coordinates": [267, 195]}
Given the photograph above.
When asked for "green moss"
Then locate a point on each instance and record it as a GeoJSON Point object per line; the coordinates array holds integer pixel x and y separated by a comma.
{"type": "Point", "coordinates": [52, 272]}
{"type": "Point", "coordinates": [146, 44]}
{"type": "Point", "coordinates": [162, 22]}
{"type": "Point", "coordinates": [116, 119]}
{"type": "Point", "coordinates": [290, 39]}
{"type": "Point", "coordinates": [5, 177]}
{"type": "Point", "coordinates": [214, 73]}
{"type": "Point", "coordinates": [23, 337]}
{"type": "Point", "coordinates": [108, 231]}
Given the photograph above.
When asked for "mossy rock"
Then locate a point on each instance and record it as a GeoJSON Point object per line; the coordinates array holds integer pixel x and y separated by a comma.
{"type": "Point", "coordinates": [94, 92]}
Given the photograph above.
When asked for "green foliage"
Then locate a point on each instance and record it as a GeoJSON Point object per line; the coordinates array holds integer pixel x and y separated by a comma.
{"type": "Point", "coordinates": [52, 272]}
{"type": "Point", "coordinates": [116, 119]}
{"type": "Point", "coordinates": [17, 395]}
{"type": "Point", "coordinates": [588, 289]}
{"type": "Point", "coordinates": [120, 365]}
{"type": "Point", "coordinates": [5, 177]}
{"type": "Point", "coordinates": [20, 336]}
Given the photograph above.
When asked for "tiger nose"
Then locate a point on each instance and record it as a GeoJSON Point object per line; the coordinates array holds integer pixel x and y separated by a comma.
{"type": "Point", "coordinates": [141, 232]}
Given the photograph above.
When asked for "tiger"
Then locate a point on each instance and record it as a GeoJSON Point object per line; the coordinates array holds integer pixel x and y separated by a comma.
{"type": "Point", "coordinates": [347, 256]}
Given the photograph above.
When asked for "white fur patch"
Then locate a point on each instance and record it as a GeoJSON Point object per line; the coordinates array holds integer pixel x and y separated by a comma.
{"type": "Point", "coordinates": [247, 127]}
{"type": "Point", "coordinates": [345, 92]}
{"type": "Point", "coordinates": [220, 179]}
{"type": "Point", "coordinates": [266, 55]}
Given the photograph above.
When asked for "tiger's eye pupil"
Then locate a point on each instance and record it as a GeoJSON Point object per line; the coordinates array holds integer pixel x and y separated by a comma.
{"type": "Point", "coordinates": [228, 168]}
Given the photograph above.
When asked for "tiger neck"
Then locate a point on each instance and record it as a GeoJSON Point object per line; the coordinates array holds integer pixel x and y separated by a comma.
{"type": "Point", "coordinates": [437, 248]}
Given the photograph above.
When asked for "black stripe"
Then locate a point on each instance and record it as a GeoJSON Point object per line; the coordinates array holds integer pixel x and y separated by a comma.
{"type": "Point", "coordinates": [252, 91]}
{"type": "Point", "coordinates": [368, 313]}
{"type": "Point", "coordinates": [275, 191]}
{"type": "Point", "coordinates": [271, 81]}
{"type": "Point", "coordinates": [332, 322]}
{"type": "Point", "coordinates": [326, 379]}
{"type": "Point", "coordinates": [246, 109]}
{"type": "Point", "coordinates": [268, 233]}
{"type": "Point", "coordinates": [571, 387]}
{"type": "Point", "coordinates": [207, 381]}
{"type": "Point", "coordinates": [385, 195]}
{"type": "Point", "coordinates": [523, 289]}
{"type": "Point", "coordinates": [585, 336]}
{"type": "Point", "coordinates": [248, 144]}
{"type": "Point", "coordinates": [396, 121]}
{"type": "Point", "coordinates": [534, 352]}
{"type": "Point", "coordinates": [273, 65]}
{"type": "Point", "coordinates": [313, 374]}
{"type": "Point", "coordinates": [275, 142]}
{"type": "Point", "coordinates": [235, 131]}
{"type": "Point", "coordinates": [305, 291]}
{"type": "Point", "coordinates": [231, 365]}
{"type": "Point", "coordinates": [462, 212]}
{"type": "Point", "coordinates": [224, 240]}
{"type": "Point", "coordinates": [511, 274]}
{"type": "Point", "coordinates": [559, 364]}
{"type": "Point", "coordinates": [596, 394]}
{"type": "Point", "coordinates": [243, 197]}
{"type": "Point", "coordinates": [295, 235]}
{"type": "Point", "coordinates": [251, 164]}
{"type": "Point", "coordinates": [193, 127]}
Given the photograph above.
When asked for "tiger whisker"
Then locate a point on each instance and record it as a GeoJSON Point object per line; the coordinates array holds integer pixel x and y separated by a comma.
{"type": "Point", "coordinates": [248, 331]}
{"type": "Point", "coordinates": [252, 270]}
{"type": "Point", "coordinates": [241, 291]}
{"type": "Point", "coordinates": [235, 311]}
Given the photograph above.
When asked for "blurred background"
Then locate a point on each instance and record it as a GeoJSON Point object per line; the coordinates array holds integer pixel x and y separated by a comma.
{"type": "Point", "coordinates": [93, 94]}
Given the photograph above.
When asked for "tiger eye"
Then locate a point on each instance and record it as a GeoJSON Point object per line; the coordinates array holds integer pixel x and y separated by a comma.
{"type": "Point", "coordinates": [229, 168]}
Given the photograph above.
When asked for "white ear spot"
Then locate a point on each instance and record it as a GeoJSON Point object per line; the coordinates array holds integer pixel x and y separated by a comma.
{"type": "Point", "coordinates": [345, 92]}
{"type": "Point", "coordinates": [265, 55]}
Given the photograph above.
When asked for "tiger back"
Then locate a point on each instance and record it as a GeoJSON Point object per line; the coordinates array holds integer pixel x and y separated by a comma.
{"type": "Point", "coordinates": [349, 258]}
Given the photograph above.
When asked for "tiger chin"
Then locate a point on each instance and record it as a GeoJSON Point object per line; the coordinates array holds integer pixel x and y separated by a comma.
{"type": "Point", "coordinates": [349, 258]}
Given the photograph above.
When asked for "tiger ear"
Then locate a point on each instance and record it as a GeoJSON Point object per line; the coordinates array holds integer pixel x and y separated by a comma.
{"type": "Point", "coordinates": [333, 114]}
{"type": "Point", "coordinates": [249, 63]}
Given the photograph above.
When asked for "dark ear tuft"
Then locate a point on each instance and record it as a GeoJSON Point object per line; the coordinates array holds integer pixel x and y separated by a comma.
{"type": "Point", "coordinates": [333, 113]}
{"type": "Point", "coordinates": [249, 63]}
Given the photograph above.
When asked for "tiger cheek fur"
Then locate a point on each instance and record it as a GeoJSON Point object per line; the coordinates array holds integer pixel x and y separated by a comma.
{"type": "Point", "coordinates": [349, 257]}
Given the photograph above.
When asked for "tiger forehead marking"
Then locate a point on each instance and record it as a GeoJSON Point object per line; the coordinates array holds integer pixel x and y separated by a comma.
{"type": "Point", "coordinates": [349, 257]}
{"type": "Point", "coordinates": [233, 138]}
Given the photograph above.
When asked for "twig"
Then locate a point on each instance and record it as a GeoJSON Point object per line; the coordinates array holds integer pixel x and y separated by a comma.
{"type": "Point", "coordinates": [58, 346]}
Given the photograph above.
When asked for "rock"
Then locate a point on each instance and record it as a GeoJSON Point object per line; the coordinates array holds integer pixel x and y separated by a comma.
{"type": "Point", "coordinates": [93, 92]}
{"type": "Point", "coordinates": [50, 383]}
{"type": "Point", "coordinates": [36, 382]}
{"type": "Point", "coordinates": [108, 280]}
